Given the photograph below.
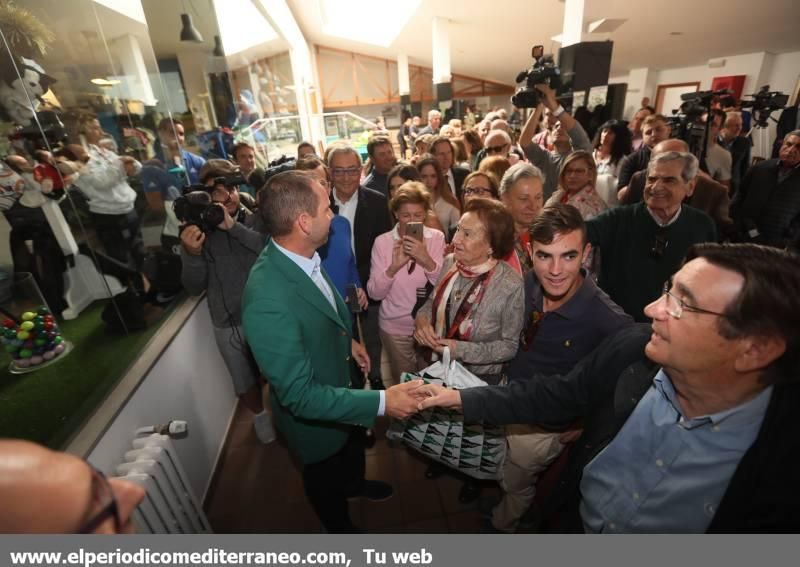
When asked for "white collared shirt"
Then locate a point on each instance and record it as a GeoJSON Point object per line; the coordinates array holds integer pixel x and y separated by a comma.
{"type": "Point", "coordinates": [347, 209]}
{"type": "Point", "coordinates": [659, 222]}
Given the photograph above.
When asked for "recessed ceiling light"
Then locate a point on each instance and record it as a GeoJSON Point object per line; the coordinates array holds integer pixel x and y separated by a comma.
{"type": "Point", "coordinates": [676, 33]}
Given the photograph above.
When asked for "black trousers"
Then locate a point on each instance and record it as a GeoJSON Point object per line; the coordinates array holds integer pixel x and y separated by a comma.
{"type": "Point", "coordinates": [329, 483]}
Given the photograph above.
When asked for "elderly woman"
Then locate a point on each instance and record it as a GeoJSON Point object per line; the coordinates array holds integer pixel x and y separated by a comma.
{"type": "Point", "coordinates": [401, 266]}
{"type": "Point", "coordinates": [576, 181]}
{"type": "Point", "coordinates": [479, 185]}
{"type": "Point", "coordinates": [397, 176]}
{"type": "Point", "coordinates": [522, 192]}
{"type": "Point", "coordinates": [477, 307]}
{"type": "Point", "coordinates": [445, 205]}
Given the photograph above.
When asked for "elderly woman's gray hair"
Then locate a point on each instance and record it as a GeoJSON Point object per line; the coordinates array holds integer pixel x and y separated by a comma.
{"type": "Point", "coordinates": [689, 162]}
{"type": "Point", "coordinates": [519, 171]}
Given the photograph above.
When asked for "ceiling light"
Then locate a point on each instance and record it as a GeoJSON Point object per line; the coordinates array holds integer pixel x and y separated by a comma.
{"type": "Point", "coordinates": [188, 31]}
{"type": "Point", "coordinates": [676, 33]}
{"type": "Point", "coordinates": [605, 25]}
{"type": "Point", "coordinates": [218, 51]}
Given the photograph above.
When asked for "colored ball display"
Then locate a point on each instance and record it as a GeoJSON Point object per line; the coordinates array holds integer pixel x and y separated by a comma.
{"type": "Point", "coordinates": [34, 339]}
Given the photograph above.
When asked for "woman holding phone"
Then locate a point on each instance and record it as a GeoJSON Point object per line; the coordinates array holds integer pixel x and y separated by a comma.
{"type": "Point", "coordinates": [405, 261]}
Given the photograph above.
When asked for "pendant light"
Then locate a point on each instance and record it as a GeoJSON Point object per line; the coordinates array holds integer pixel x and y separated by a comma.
{"type": "Point", "coordinates": [188, 31]}
{"type": "Point", "coordinates": [218, 51]}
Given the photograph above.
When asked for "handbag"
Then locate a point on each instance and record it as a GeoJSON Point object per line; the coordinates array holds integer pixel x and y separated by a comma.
{"type": "Point", "coordinates": [475, 449]}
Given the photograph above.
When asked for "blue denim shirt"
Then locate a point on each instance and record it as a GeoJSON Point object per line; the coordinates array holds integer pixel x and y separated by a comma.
{"type": "Point", "coordinates": [664, 472]}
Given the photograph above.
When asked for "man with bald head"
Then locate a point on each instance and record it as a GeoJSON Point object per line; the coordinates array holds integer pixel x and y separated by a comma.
{"type": "Point", "coordinates": [45, 491]}
{"type": "Point", "coordinates": [709, 196]}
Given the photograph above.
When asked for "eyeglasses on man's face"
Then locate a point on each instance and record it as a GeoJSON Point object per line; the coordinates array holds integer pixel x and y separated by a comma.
{"type": "Point", "coordinates": [342, 171]}
{"type": "Point", "coordinates": [103, 505]}
{"type": "Point", "coordinates": [477, 191]}
{"type": "Point", "coordinates": [496, 149]}
{"type": "Point", "coordinates": [660, 243]}
{"type": "Point", "coordinates": [675, 306]}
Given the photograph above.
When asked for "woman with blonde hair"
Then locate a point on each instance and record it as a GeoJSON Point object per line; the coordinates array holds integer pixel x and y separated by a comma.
{"type": "Point", "coordinates": [576, 185]}
{"type": "Point", "coordinates": [403, 263]}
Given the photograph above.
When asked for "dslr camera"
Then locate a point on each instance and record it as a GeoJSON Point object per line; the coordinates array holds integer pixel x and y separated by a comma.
{"type": "Point", "coordinates": [196, 208]}
{"type": "Point", "coordinates": [764, 103]}
{"type": "Point", "coordinates": [543, 70]}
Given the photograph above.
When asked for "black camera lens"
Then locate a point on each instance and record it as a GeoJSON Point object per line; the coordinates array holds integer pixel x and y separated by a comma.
{"type": "Point", "coordinates": [213, 215]}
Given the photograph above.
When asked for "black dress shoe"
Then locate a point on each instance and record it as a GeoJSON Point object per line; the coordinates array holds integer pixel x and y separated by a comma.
{"type": "Point", "coordinates": [375, 491]}
{"type": "Point", "coordinates": [470, 490]}
{"type": "Point", "coordinates": [434, 470]}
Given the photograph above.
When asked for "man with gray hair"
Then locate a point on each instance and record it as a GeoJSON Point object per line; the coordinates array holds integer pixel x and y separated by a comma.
{"type": "Point", "coordinates": [767, 209]}
{"type": "Point", "coordinates": [644, 244]}
{"type": "Point", "coordinates": [368, 213]}
{"type": "Point", "coordinates": [434, 121]}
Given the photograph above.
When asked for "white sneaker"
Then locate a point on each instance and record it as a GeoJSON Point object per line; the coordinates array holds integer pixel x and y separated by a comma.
{"type": "Point", "coordinates": [262, 423]}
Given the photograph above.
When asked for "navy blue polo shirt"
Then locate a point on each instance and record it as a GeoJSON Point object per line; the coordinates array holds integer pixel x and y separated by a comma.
{"type": "Point", "coordinates": [564, 336]}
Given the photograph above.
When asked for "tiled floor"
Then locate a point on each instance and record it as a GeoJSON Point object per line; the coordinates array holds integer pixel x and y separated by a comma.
{"type": "Point", "coordinates": [258, 489]}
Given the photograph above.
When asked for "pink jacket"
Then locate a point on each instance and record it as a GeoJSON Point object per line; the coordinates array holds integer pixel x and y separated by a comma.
{"type": "Point", "coordinates": [398, 295]}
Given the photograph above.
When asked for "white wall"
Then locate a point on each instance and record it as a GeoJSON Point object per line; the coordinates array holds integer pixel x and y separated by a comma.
{"type": "Point", "coordinates": [784, 73]}
{"type": "Point", "coordinates": [189, 382]}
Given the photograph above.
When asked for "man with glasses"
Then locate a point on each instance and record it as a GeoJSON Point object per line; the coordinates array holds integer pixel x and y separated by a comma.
{"type": "Point", "coordinates": [567, 135]}
{"type": "Point", "coordinates": [45, 491]}
{"type": "Point", "coordinates": [566, 317]}
{"type": "Point", "coordinates": [689, 422]}
{"type": "Point", "coordinates": [641, 245]}
{"type": "Point", "coordinates": [218, 262]}
{"type": "Point", "coordinates": [368, 214]}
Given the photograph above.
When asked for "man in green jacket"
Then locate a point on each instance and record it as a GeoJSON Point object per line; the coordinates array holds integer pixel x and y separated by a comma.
{"type": "Point", "coordinates": [299, 330]}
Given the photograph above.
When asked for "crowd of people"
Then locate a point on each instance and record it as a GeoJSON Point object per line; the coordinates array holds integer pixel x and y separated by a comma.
{"type": "Point", "coordinates": [533, 259]}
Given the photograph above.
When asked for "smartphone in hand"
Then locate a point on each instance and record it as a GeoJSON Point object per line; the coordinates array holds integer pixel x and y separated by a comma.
{"type": "Point", "coordinates": [414, 230]}
{"type": "Point", "coordinates": [352, 299]}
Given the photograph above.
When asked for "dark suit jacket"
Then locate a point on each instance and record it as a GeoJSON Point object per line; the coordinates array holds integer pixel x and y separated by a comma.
{"type": "Point", "coordinates": [459, 174]}
{"type": "Point", "coordinates": [372, 219]}
{"type": "Point", "coordinates": [302, 345]}
{"type": "Point", "coordinates": [709, 196]}
{"type": "Point", "coordinates": [637, 161]}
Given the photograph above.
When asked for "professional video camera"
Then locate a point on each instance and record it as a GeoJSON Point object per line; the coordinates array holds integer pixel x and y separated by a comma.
{"type": "Point", "coordinates": [543, 70]}
{"type": "Point", "coordinates": [197, 208]}
{"type": "Point", "coordinates": [687, 121]}
{"type": "Point", "coordinates": [764, 103]}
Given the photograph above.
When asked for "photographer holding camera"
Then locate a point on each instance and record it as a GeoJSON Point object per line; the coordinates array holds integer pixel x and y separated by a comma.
{"type": "Point", "coordinates": [567, 135]}
{"type": "Point", "coordinates": [217, 253]}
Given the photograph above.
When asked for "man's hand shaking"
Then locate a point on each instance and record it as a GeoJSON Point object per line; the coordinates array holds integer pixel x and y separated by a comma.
{"type": "Point", "coordinates": [403, 400]}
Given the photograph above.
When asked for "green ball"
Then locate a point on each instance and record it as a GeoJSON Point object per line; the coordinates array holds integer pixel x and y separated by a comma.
{"type": "Point", "coordinates": [10, 334]}
{"type": "Point", "coordinates": [23, 335]}
{"type": "Point", "coordinates": [28, 315]}
{"type": "Point", "coordinates": [26, 353]}
{"type": "Point", "coordinates": [58, 340]}
{"type": "Point", "coordinates": [40, 342]}
{"type": "Point", "coordinates": [43, 310]}
{"type": "Point", "coordinates": [27, 326]}
{"type": "Point", "coordinates": [11, 348]}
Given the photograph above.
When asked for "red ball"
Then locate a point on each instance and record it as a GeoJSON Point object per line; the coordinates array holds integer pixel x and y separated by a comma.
{"type": "Point", "coordinates": [9, 324]}
{"type": "Point", "coordinates": [48, 325]}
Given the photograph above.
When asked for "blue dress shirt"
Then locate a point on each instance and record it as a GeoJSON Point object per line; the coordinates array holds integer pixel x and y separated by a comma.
{"type": "Point", "coordinates": [666, 473]}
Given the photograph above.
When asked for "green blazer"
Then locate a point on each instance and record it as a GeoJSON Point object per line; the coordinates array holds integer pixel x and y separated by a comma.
{"type": "Point", "coordinates": [303, 348]}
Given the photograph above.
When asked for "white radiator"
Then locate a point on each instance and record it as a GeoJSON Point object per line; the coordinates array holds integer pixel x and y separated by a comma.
{"type": "Point", "coordinates": [169, 506]}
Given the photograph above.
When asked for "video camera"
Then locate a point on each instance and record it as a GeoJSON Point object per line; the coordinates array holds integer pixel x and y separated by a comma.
{"type": "Point", "coordinates": [197, 208]}
{"type": "Point", "coordinates": [543, 70]}
{"type": "Point", "coordinates": [687, 121]}
{"type": "Point", "coordinates": [764, 103]}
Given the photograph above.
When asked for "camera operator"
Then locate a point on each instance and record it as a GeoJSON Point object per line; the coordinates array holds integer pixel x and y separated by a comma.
{"type": "Point", "coordinates": [217, 260]}
{"type": "Point", "coordinates": [731, 139]}
{"type": "Point", "coordinates": [767, 207]}
{"type": "Point", "coordinates": [718, 160]}
{"type": "Point", "coordinates": [567, 135]}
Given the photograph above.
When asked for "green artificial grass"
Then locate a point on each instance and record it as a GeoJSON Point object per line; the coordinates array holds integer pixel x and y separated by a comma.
{"type": "Point", "coordinates": [48, 405]}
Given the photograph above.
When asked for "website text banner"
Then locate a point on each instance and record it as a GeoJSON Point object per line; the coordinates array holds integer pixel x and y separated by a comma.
{"type": "Point", "coordinates": [381, 550]}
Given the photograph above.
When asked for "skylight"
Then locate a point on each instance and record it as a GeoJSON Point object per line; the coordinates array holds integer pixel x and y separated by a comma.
{"type": "Point", "coordinates": [241, 25]}
{"type": "Point", "coordinates": [377, 22]}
